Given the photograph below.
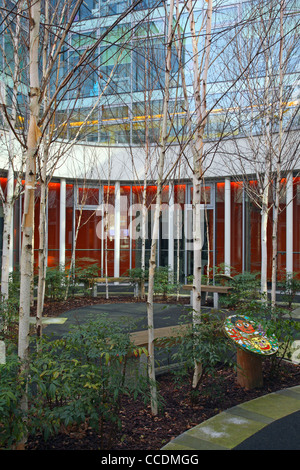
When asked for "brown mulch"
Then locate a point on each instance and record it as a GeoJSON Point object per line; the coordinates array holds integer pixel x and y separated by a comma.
{"type": "Point", "coordinates": [141, 431]}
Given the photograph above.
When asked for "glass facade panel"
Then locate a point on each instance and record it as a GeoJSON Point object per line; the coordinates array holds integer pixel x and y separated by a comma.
{"type": "Point", "coordinates": [3, 182]}
{"type": "Point", "coordinates": [255, 240]}
{"type": "Point", "coordinates": [179, 236]}
{"type": "Point", "coordinates": [125, 240]}
{"type": "Point", "coordinates": [220, 223]}
{"type": "Point", "coordinates": [112, 7]}
{"type": "Point", "coordinates": [53, 223]}
{"type": "Point", "coordinates": [88, 196]}
{"type": "Point", "coordinates": [281, 241]}
{"type": "Point", "coordinates": [296, 225]}
{"type": "Point", "coordinates": [88, 244]}
{"type": "Point", "coordinates": [109, 223]}
{"type": "Point", "coordinates": [237, 226]}
{"type": "Point", "coordinates": [69, 222]}
{"type": "Point", "coordinates": [36, 242]}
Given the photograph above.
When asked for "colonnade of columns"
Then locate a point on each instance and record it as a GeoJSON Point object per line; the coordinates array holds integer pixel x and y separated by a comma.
{"type": "Point", "coordinates": [227, 225]}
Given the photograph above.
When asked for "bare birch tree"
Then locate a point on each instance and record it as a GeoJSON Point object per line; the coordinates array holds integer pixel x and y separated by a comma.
{"type": "Point", "coordinates": [33, 137]}
{"type": "Point", "coordinates": [15, 167]}
{"type": "Point", "coordinates": [200, 73]}
{"type": "Point", "coordinates": [155, 231]}
{"type": "Point", "coordinates": [265, 113]}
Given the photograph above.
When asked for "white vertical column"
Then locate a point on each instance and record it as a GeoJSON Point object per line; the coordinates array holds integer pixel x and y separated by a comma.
{"type": "Point", "coordinates": [171, 227]}
{"type": "Point", "coordinates": [289, 223]}
{"type": "Point", "coordinates": [227, 229]}
{"type": "Point", "coordinates": [11, 246]}
{"type": "Point", "coordinates": [62, 223]}
{"type": "Point", "coordinates": [117, 230]}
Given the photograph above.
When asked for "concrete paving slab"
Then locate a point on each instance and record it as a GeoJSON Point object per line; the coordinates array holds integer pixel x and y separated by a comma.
{"type": "Point", "coordinates": [242, 412]}
{"type": "Point", "coordinates": [186, 442]}
{"type": "Point", "coordinates": [257, 424]}
{"type": "Point", "coordinates": [274, 405]}
{"type": "Point", "coordinates": [226, 430]}
{"type": "Point", "coordinates": [296, 313]}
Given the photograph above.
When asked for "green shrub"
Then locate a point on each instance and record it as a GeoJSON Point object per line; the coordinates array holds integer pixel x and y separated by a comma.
{"type": "Point", "coordinates": [85, 275]}
{"type": "Point", "coordinates": [12, 425]}
{"type": "Point", "coordinates": [9, 318]}
{"type": "Point", "coordinates": [204, 341]}
{"type": "Point", "coordinates": [14, 283]}
{"type": "Point", "coordinates": [274, 320]}
{"type": "Point", "coordinates": [55, 283]}
{"type": "Point", "coordinates": [82, 279]}
{"type": "Point", "coordinates": [83, 377]}
{"type": "Point", "coordinates": [289, 286]}
{"type": "Point", "coordinates": [163, 281]}
{"type": "Point", "coordinates": [245, 288]}
{"type": "Point", "coordinates": [136, 277]}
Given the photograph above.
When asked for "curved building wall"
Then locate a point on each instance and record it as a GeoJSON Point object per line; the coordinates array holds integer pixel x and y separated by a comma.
{"type": "Point", "coordinates": [231, 225]}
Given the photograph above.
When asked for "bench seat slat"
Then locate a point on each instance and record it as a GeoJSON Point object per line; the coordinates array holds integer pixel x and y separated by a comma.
{"type": "Point", "coordinates": [140, 338]}
{"type": "Point", "coordinates": [208, 288]}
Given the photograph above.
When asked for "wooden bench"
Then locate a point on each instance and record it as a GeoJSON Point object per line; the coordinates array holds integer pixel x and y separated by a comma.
{"type": "Point", "coordinates": [216, 290]}
{"type": "Point", "coordinates": [102, 280]}
{"type": "Point", "coordinates": [111, 279]}
{"type": "Point", "coordinates": [140, 338]}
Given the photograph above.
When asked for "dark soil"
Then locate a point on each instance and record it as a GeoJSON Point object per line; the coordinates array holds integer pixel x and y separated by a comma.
{"type": "Point", "coordinates": [139, 430]}
{"type": "Point", "coordinates": [142, 431]}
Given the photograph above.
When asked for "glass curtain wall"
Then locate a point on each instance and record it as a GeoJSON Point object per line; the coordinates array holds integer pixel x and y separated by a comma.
{"type": "Point", "coordinates": [207, 230]}
{"type": "Point", "coordinates": [296, 225]}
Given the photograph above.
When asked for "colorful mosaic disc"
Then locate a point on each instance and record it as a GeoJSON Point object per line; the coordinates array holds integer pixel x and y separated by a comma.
{"type": "Point", "coordinates": [248, 335]}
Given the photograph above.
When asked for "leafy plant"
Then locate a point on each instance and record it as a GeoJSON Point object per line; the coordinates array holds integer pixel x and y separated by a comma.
{"type": "Point", "coordinates": [85, 275]}
{"type": "Point", "coordinates": [289, 285]}
{"type": "Point", "coordinates": [245, 288]}
{"type": "Point", "coordinates": [12, 425]}
{"type": "Point", "coordinates": [163, 281]}
{"type": "Point", "coordinates": [55, 283]}
{"type": "Point", "coordinates": [277, 321]}
{"type": "Point", "coordinates": [136, 277]}
{"type": "Point", "coordinates": [14, 283]}
{"type": "Point", "coordinates": [83, 377]}
{"type": "Point", "coordinates": [204, 341]}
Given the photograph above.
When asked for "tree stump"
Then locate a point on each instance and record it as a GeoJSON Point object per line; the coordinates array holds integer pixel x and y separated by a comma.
{"type": "Point", "coordinates": [249, 370]}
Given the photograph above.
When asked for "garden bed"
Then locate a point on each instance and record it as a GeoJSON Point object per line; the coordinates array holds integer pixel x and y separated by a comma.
{"type": "Point", "coordinates": [139, 430]}
{"type": "Point", "coordinates": [142, 431]}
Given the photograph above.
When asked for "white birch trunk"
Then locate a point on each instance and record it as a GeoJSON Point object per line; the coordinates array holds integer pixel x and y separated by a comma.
{"type": "Point", "coordinates": [8, 203]}
{"type": "Point", "coordinates": [144, 228]}
{"type": "Point", "coordinates": [8, 207]}
{"type": "Point", "coordinates": [30, 180]}
{"type": "Point", "coordinates": [199, 87]}
{"type": "Point", "coordinates": [144, 198]}
{"type": "Point", "coordinates": [152, 261]}
{"type": "Point", "coordinates": [107, 227]}
{"type": "Point", "coordinates": [264, 254]}
{"type": "Point", "coordinates": [275, 241]}
{"type": "Point", "coordinates": [42, 263]}
{"type": "Point", "coordinates": [42, 267]}
{"type": "Point", "coordinates": [28, 216]}
{"type": "Point", "coordinates": [278, 166]}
